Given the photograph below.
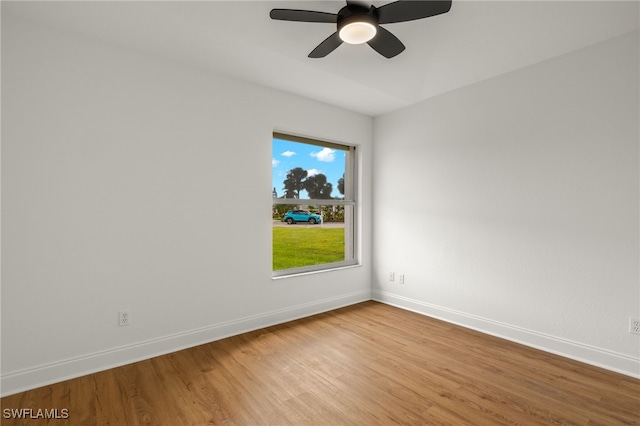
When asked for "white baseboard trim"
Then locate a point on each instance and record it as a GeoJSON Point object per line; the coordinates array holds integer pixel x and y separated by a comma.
{"type": "Point", "coordinates": [598, 357]}
{"type": "Point", "coordinates": [19, 381]}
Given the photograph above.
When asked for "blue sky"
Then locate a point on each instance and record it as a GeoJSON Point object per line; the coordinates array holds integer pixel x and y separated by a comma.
{"type": "Point", "coordinates": [314, 159]}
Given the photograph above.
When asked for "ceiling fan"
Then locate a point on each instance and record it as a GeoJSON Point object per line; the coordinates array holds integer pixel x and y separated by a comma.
{"type": "Point", "coordinates": [358, 23]}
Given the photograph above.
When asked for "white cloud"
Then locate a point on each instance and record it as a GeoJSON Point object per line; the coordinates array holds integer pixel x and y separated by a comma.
{"type": "Point", "coordinates": [274, 162]}
{"type": "Point", "coordinates": [327, 155]}
{"type": "Point", "coordinates": [313, 172]}
{"type": "Point", "coordinates": [288, 154]}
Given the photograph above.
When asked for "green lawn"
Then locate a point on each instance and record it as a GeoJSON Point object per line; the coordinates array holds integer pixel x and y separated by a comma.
{"type": "Point", "coordinates": [295, 246]}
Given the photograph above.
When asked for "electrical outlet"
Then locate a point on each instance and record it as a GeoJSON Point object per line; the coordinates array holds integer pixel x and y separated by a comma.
{"type": "Point", "coordinates": [401, 278]}
{"type": "Point", "coordinates": [124, 318]}
{"type": "Point", "coordinates": [392, 276]}
{"type": "Point", "coordinates": [634, 325]}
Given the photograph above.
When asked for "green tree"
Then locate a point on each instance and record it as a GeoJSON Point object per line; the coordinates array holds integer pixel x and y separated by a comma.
{"type": "Point", "coordinates": [318, 187]}
{"type": "Point", "coordinates": [333, 213]}
{"type": "Point", "coordinates": [293, 184]}
{"type": "Point", "coordinates": [341, 185]}
{"type": "Point", "coordinates": [280, 209]}
{"type": "Point", "coordinates": [275, 193]}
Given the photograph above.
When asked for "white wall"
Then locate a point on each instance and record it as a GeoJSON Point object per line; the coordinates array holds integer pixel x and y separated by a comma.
{"type": "Point", "coordinates": [512, 205]}
{"type": "Point", "coordinates": [131, 182]}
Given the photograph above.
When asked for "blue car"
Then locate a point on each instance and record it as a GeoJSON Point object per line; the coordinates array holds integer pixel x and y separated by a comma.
{"type": "Point", "coordinates": [295, 216]}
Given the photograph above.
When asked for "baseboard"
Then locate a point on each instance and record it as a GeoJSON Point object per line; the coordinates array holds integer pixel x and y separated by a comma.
{"type": "Point", "coordinates": [609, 360]}
{"type": "Point", "coordinates": [43, 375]}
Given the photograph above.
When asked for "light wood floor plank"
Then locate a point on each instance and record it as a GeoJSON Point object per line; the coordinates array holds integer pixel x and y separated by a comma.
{"type": "Point", "coordinates": [367, 364]}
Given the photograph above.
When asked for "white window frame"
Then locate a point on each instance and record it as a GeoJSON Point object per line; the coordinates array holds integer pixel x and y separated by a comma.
{"type": "Point", "coordinates": [350, 203]}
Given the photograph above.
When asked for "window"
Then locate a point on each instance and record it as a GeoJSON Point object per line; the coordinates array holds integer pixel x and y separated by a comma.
{"type": "Point", "coordinates": [314, 205]}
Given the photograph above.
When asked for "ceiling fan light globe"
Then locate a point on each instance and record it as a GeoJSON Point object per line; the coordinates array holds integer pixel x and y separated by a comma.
{"type": "Point", "coordinates": [358, 32]}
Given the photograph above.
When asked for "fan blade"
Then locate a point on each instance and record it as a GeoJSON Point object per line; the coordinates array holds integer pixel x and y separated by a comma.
{"type": "Point", "coordinates": [303, 16]}
{"type": "Point", "coordinates": [330, 44]}
{"type": "Point", "coordinates": [386, 43]}
{"type": "Point", "coordinates": [401, 11]}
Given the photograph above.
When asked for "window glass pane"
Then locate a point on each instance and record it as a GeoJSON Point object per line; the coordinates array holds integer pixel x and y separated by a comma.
{"type": "Point", "coordinates": [302, 170]}
{"type": "Point", "coordinates": [310, 235]}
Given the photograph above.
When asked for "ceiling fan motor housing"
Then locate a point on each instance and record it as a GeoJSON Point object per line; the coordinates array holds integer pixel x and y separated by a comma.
{"type": "Point", "coordinates": [350, 14]}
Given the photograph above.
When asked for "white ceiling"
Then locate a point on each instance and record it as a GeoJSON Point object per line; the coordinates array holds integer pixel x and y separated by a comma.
{"type": "Point", "coordinates": [476, 40]}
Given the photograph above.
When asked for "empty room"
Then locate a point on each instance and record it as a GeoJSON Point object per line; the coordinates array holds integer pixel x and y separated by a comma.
{"type": "Point", "coordinates": [320, 212]}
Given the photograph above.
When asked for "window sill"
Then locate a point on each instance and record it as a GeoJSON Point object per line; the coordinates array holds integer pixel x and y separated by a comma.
{"type": "Point", "coordinates": [319, 271]}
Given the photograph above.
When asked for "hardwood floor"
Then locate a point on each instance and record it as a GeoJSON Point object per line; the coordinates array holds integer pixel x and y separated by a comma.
{"type": "Point", "coordinates": [367, 364]}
